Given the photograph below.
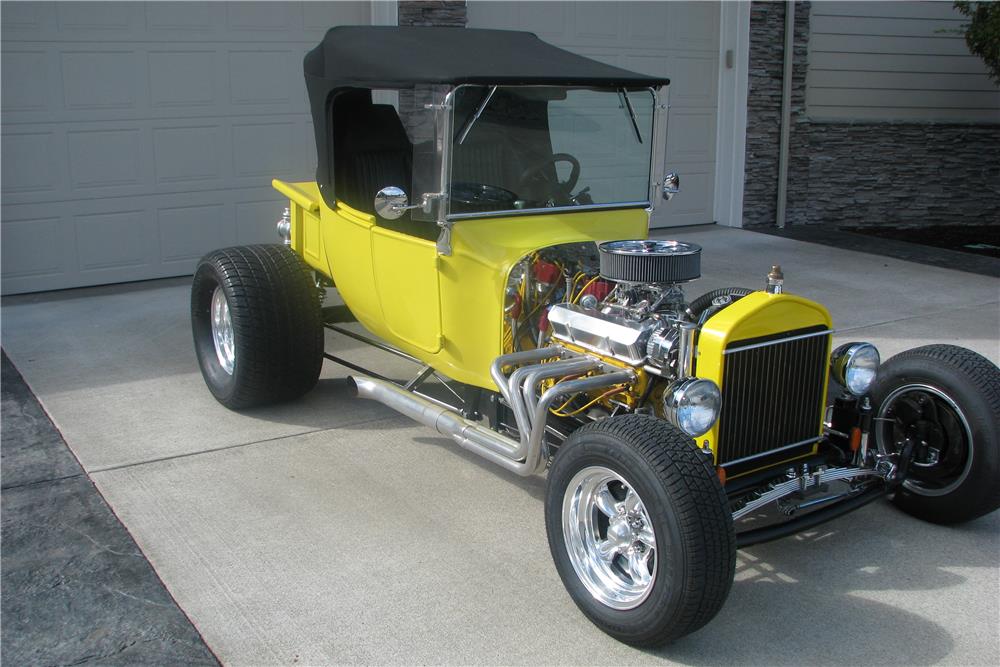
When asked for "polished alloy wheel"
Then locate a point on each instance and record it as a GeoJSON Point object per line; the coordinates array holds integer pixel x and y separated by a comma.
{"type": "Point", "coordinates": [939, 432]}
{"type": "Point", "coordinates": [609, 538]}
{"type": "Point", "coordinates": [222, 331]}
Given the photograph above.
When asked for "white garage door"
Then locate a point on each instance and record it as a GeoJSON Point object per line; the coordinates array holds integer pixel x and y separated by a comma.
{"type": "Point", "coordinates": [137, 136]}
{"type": "Point", "coordinates": [676, 39]}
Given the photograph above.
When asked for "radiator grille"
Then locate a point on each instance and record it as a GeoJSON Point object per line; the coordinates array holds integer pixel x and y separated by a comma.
{"type": "Point", "coordinates": [772, 392]}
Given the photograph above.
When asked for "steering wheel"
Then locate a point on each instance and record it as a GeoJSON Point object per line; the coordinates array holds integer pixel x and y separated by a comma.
{"type": "Point", "coordinates": [475, 197]}
{"type": "Point", "coordinates": [537, 173]}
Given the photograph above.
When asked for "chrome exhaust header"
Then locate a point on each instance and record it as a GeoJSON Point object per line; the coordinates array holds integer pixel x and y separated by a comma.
{"type": "Point", "coordinates": [524, 456]}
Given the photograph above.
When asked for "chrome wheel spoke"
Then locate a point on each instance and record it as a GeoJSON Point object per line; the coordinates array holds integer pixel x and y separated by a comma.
{"type": "Point", "coordinates": [638, 566]}
{"type": "Point", "coordinates": [632, 502]}
{"type": "Point", "coordinates": [606, 502]}
{"type": "Point", "coordinates": [607, 550]}
{"type": "Point", "coordinates": [610, 543]}
{"type": "Point", "coordinates": [647, 537]}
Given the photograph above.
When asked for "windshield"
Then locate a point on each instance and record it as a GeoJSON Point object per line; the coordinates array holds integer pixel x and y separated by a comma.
{"type": "Point", "coordinates": [536, 147]}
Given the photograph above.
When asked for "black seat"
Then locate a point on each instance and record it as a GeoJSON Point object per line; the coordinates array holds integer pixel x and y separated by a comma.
{"type": "Point", "coordinates": [371, 150]}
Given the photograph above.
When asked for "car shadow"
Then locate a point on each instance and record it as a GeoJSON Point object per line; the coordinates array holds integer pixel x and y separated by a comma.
{"type": "Point", "coordinates": [534, 485]}
{"type": "Point", "coordinates": [836, 594]}
{"type": "Point", "coordinates": [332, 404]}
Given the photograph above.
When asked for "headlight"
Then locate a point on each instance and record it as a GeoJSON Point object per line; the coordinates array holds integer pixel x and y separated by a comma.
{"type": "Point", "coordinates": [692, 405]}
{"type": "Point", "coordinates": [854, 365]}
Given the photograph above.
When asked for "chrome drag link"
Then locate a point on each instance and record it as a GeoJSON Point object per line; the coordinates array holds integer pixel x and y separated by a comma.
{"type": "Point", "coordinates": [523, 456]}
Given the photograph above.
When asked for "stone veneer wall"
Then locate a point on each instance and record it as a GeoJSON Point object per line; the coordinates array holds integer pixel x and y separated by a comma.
{"type": "Point", "coordinates": [862, 173]}
{"type": "Point", "coordinates": [431, 12]}
{"type": "Point", "coordinates": [767, 48]}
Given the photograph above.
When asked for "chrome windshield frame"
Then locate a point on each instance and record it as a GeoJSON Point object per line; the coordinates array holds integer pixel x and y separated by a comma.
{"type": "Point", "coordinates": [446, 219]}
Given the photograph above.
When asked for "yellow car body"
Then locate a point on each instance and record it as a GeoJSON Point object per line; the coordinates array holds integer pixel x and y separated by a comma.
{"type": "Point", "coordinates": [447, 310]}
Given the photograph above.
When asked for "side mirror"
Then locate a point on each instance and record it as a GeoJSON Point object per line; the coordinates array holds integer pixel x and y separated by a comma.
{"type": "Point", "coordinates": [671, 185]}
{"type": "Point", "coordinates": [391, 202]}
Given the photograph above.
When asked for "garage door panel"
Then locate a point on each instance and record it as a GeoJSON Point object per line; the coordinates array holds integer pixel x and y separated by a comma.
{"type": "Point", "coordinates": [598, 22]}
{"type": "Point", "coordinates": [32, 248]}
{"type": "Point", "coordinates": [693, 82]}
{"type": "Point", "coordinates": [127, 228]}
{"type": "Point", "coordinates": [645, 21]}
{"type": "Point", "coordinates": [552, 20]}
{"type": "Point", "coordinates": [182, 78]}
{"type": "Point", "coordinates": [261, 77]}
{"type": "Point", "coordinates": [185, 232]}
{"type": "Point", "coordinates": [697, 193]}
{"type": "Point", "coordinates": [133, 133]}
{"type": "Point", "coordinates": [29, 162]}
{"type": "Point", "coordinates": [261, 149]}
{"type": "Point", "coordinates": [693, 25]}
{"type": "Point", "coordinates": [101, 79]}
{"type": "Point", "coordinates": [24, 17]}
{"type": "Point", "coordinates": [256, 219]}
{"type": "Point", "coordinates": [259, 15]}
{"type": "Point", "coordinates": [679, 40]}
{"type": "Point", "coordinates": [102, 17]}
{"type": "Point", "coordinates": [692, 138]}
{"type": "Point", "coordinates": [199, 17]}
{"type": "Point", "coordinates": [104, 158]}
{"type": "Point", "coordinates": [317, 17]}
{"type": "Point", "coordinates": [187, 153]}
{"type": "Point", "coordinates": [26, 80]}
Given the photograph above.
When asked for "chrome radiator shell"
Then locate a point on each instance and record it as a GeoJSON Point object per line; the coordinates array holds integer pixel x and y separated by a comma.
{"type": "Point", "coordinates": [608, 335]}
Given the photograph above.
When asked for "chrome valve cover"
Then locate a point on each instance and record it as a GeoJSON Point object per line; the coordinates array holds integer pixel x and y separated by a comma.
{"type": "Point", "coordinates": [609, 335]}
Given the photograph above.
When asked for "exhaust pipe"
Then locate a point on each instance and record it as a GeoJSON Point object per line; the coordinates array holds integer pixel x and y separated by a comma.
{"type": "Point", "coordinates": [522, 458]}
{"type": "Point", "coordinates": [483, 441]}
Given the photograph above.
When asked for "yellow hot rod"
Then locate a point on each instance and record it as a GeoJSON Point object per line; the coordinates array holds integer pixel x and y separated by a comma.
{"type": "Point", "coordinates": [481, 205]}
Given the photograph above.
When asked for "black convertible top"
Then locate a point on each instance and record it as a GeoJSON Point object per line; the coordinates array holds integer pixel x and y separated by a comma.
{"type": "Point", "coordinates": [371, 57]}
{"type": "Point", "coordinates": [401, 57]}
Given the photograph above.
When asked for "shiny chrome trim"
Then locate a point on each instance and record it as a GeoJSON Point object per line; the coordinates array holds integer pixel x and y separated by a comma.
{"type": "Point", "coordinates": [223, 336]}
{"type": "Point", "coordinates": [550, 209]}
{"type": "Point", "coordinates": [842, 357]}
{"type": "Point", "coordinates": [801, 443]}
{"type": "Point", "coordinates": [533, 375]}
{"type": "Point", "coordinates": [671, 185]}
{"type": "Point", "coordinates": [675, 394]}
{"type": "Point", "coordinates": [754, 346]}
{"type": "Point", "coordinates": [647, 247]}
{"type": "Point", "coordinates": [618, 569]}
{"type": "Point", "coordinates": [479, 439]}
{"type": "Point", "coordinates": [880, 421]}
{"type": "Point", "coordinates": [443, 220]}
{"type": "Point", "coordinates": [686, 349]}
{"type": "Point", "coordinates": [803, 483]}
{"type": "Point", "coordinates": [609, 335]}
{"type": "Point", "coordinates": [444, 202]}
{"type": "Point", "coordinates": [284, 227]}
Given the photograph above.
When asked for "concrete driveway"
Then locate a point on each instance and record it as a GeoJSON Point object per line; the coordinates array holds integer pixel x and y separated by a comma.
{"type": "Point", "coordinates": [334, 531]}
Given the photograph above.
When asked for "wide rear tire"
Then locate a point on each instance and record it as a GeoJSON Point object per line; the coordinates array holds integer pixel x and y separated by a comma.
{"type": "Point", "coordinates": [257, 325]}
{"type": "Point", "coordinates": [640, 529]}
{"type": "Point", "coordinates": [946, 401]}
